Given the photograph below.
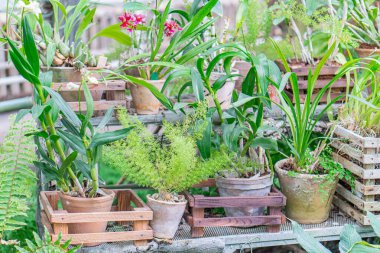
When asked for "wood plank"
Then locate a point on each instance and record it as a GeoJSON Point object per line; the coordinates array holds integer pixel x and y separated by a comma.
{"type": "Point", "coordinates": [46, 205]}
{"type": "Point", "coordinates": [45, 222]}
{"type": "Point", "coordinates": [189, 198]}
{"type": "Point", "coordinates": [348, 150]}
{"type": "Point", "coordinates": [358, 202]}
{"type": "Point", "coordinates": [350, 210]}
{"type": "Point", "coordinates": [107, 237]}
{"type": "Point", "coordinates": [101, 105]}
{"type": "Point", "coordinates": [246, 221]}
{"type": "Point", "coordinates": [101, 216]}
{"type": "Point", "coordinates": [365, 142]}
{"type": "Point", "coordinates": [356, 169]}
{"type": "Point", "coordinates": [137, 201]}
{"type": "Point", "coordinates": [205, 183]}
{"type": "Point", "coordinates": [211, 202]}
{"type": "Point", "coordinates": [341, 83]}
{"type": "Point", "coordinates": [197, 230]}
{"type": "Point", "coordinates": [140, 226]}
{"type": "Point", "coordinates": [105, 86]}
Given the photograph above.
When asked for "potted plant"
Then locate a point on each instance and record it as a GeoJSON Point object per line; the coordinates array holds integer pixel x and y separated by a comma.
{"type": "Point", "coordinates": [365, 27]}
{"type": "Point", "coordinates": [311, 30]}
{"type": "Point", "coordinates": [356, 143]}
{"type": "Point", "coordinates": [152, 56]}
{"type": "Point", "coordinates": [169, 165]}
{"type": "Point", "coordinates": [71, 153]}
{"type": "Point", "coordinates": [309, 177]}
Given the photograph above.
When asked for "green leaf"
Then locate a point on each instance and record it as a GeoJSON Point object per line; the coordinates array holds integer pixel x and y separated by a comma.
{"type": "Point", "coordinates": [375, 223]}
{"type": "Point", "coordinates": [85, 24]}
{"type": "Point", "coordinates": [65, 108]}
{"type": "Point", "coordinates": [204, 144]}
{"type": "Point", "coordinates": [21, 114]}
{"type": "Point", "coordinates": [135, 6]}
{"type": "Point", "coordinates": [68, 161]}
{"type": "Point", "coordinates": [265, 143]}
{"type": "Point", "coordinates": [50, 53]}
{"type": "Point", "coordinates": [197, 85]}
{"type": "Point", "coordinates": [30, 47]}
{"type": "Point", "coordinates": [105, 119]}
{"type": "Point", "coordinates": [100, 139]}
{"type": "Point", "coordinates": [113, 32]}
{"type": "Point", "coordinates": [73, 141]}
{"type": "Point", "coordinates": [221, 81]}
{"type": "Point", "coordinates": [307, 242]}
{"type": "Point", "coordinates": [249, 83]}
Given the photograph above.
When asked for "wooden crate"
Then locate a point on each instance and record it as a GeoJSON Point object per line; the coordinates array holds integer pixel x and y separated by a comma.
{"type": "Point", "coordinates": [361, 156]}
{"type": "Point", "coordinates": [195, 216]}
{"type": "Point", "coordinates": [130, 208]}
{"type": "Point", "coordinates": [114, 95]}
{"type": "Point", "coordinates": [325, 76]}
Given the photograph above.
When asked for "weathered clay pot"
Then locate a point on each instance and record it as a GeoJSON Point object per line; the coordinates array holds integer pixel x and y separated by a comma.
{"type": "Point", "coordinates": [365, 52]}
{"type": "Point", "coordinates": [224, 94]}
{"type": "Point", "coordinates": [166, 217]}
{"type": "Point", "coordinates": [247, 187]}
{"type": "Point", "coordinates": [87, 205]}
{"type": "Point", "coordinates": [143, 100]}
{"type": "Point", "coordinates": [71, 74]}
{"type": "Point", "coordinates": [243, 68]}
{"type": "Point", "coordinates": [308, 197]}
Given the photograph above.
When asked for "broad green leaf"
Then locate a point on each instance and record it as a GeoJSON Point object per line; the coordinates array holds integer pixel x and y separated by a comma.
{"type": "Point", "coordinates": [375, 223]}
{"type": "Point", "coordinates": [84, 24]}
{"type": "Point", "coordinates": [30, 47]}
{"type": "Point", "coordinates": [348, 238]}
{"type": "Point", "coordinates": [113, 32]}
{"type": "Point", "coordinates": [105, 119]}
{"type": "Point", "coordinates": [73, 141]}
{"type": "Point", "coordinates": [307, 242]}
{"type": "Point", "coordinates": [197, 85]}
{"type": "Point", "coordinates": [68, 161]}
{"type": "Point", "coordinates": [50, 53]}
{"type": "Point", "coordinates": [100, 139]}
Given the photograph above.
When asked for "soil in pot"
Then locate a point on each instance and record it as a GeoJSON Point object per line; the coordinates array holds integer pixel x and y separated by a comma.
{"type": "Point", "coordinates": [166, 216]}
{"type": "Point", "coordinates": [308, 197]}
{"type": "Point", "coordinates": [244, 187]}
{"type": "Point", "coordinates": [143, 99]}
{"type": "Point", "coordinates": [87, 205]}
{"type": "Point", "coordinates": [224, 94]}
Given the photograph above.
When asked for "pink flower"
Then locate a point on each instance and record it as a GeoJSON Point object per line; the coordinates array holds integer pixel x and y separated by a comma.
{"type": "Point", "coordinates": [171, 27]}
{"type": "Point", "coordinates": [139, 19]}
{"type": "Point", "coordinates": [126, 20]}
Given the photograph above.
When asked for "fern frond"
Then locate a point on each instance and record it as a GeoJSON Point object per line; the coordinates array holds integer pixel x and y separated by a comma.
{"type": "Point", "coordinates": [16, 178]}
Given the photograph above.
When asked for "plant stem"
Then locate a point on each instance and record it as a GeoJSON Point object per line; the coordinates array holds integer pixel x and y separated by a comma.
{"type": "Point", "coordinates": [57, 144]}
{"type": "Point", "coordinates": [215, 99]}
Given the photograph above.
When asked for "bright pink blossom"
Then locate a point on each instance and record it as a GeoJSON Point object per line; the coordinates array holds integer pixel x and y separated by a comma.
{"type": "Point", "coordinates": [130, 21]}
{"type": "Point", "coordinates": [273, 94]}
{"type": "Point", "coordinates": [171, 27]}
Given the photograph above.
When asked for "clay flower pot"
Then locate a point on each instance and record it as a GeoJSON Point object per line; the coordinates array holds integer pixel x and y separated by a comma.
{"type": "Point", "coordinates": [308, 197]}
{"type": "Point", "coordinates": [87, 205]}
{"type": "Point", "coordinates": [74, 75]}
{"type": "Point", "coordinates": [166, 217]}
{"type": "Point", "coordinates": [244, 187]}
{"type": "Point", "coordinates": [365, 52]}
{"type": "Point", "coordinates": [224, 94]}
{"type": "Point", "coordinates": [143, 99]}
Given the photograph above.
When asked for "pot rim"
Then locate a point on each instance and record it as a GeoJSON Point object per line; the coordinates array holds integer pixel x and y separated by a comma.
{"type": "Point", "coordinates": [368, 49]}
{"type": "Point", "coordinates": [70, 68]}
{"type": "Point", "coordinates": [298, 175]}
{"type": "Point", "coordinates": [103, 198]}
{"type": "Point", "coordinates": [166, 202]}
{"type": "Point", "coordinates": [244, 179]}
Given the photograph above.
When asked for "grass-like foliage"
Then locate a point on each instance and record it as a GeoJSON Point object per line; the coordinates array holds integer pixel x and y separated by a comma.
{"type": "Point", "coordinates": [16, 178]}
{"type": "Point", "coordinates": [169, 164]}
{"type": "Point", "coordinates": [47, 245]}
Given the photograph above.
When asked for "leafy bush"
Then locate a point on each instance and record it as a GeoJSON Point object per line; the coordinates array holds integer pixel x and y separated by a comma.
{"type": "Point", "coordinates": [169, 164]}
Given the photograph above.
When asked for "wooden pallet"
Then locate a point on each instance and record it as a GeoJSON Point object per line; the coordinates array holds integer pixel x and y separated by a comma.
{"type": "Point", "coordinates": [195, 216]}
{"type": "Point", "coordinates": [114, 95]}
{"type": "Point", "coordinates": [325, 76]}
{"type": "Point", "coordinates": [130, 208]}
{"type": "Point", "coordinates": [361, 156]}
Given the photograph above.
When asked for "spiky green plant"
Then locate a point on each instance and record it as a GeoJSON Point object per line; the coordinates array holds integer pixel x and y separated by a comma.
{"type": "Point", "coordinates": [16, 178]}
{"type": "Point", "coordinates": [47, 245]}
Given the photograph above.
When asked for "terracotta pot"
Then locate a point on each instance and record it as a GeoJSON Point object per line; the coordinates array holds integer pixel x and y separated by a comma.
{"type": "Point", "coordinates": [243, 68]}
{"type": "Point", "coordinates": [365, 52]}
{"type": "Point", "coordinates": [166, 217]}
{"type": "Point", "coordinates": [71, 74]}
{"type": "Point", "coordinates": [244, 187]}
{"type": "Point", "coordinates": [308, 197]}
{"type": "Point", "coordinates": [224, 94]}
{"type": "Point", "coordinates": [143, 100]}
{"type": "Point", "coordinates": [87, 205]}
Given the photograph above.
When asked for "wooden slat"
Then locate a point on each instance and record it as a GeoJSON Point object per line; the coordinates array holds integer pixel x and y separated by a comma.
{"type": "Point", "coordinates": [205, 183]}
{"type": "Point", "coordinates": [365, 142]}
{"type": "Point", "coordinates": [108, 86]}
{"type": "Point", "coordinates": [137, 201]}
{"type": "Point", "coordinates": [107, 237]}
{"type": "Point", "coordinates": [350, 210]}
{"type": "Point", "coordinates": [212, 202]}
{"type": "Point", "coordinates": [341, 83]}
{"type": "Point", "coordinates": [46, 205]}
{"type": "Point", "coordinates": [356, 169]}
{"type": "Point", "coordinates": [358, 202]}
{"type": "Point", "coordinates": [98, 105]}
{"type": "Point", "coordinates": [247, 221]}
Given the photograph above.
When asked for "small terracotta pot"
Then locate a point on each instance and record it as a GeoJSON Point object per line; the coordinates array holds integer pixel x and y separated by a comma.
{"type": "Point", "coordinates": [166, 217]}
{"type": "Point", "coordinates": [71, 74]}
{"type": "Point", "coordinates": [87, 205]}
{"type": "Point", "coordinates": [143, 100]}
{"type": "Point", "coordinates": [224, 94]}
{"type": "Point", "coordinates": [244, 187]}
{"type": "Point", "coordinates": [365, 52]}
{"type": "Point", "coordinates": [243, 68]}
{"type": "Point", "coordinates": [308, 197]}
